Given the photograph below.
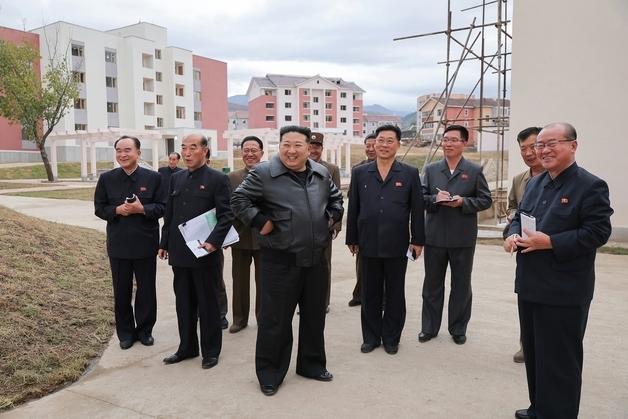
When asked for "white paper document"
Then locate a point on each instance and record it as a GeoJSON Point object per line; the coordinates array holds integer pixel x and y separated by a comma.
{"type": "Point", "coordinates": [196, 230]}
{"type": "Point", "coordinates": [528, 223]}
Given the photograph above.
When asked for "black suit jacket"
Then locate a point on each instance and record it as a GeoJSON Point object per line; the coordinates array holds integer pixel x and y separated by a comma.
{"type": "Point", "coordinates": [192, 194]}
{"type": "Point", "coordinates": [166, 173]}
{"type": "Point", "coordinates": [574, 210]}
{"type": "Point", "coordinates": [454, 227]}
{"type": "Point", "coordinates": [385, 216]}
{"type": "Point", "coordinates": [135, 236]}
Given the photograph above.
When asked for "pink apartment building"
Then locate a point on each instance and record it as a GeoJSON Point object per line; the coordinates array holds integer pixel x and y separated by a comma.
{"type": "Point", "coordinates": [328, 104]}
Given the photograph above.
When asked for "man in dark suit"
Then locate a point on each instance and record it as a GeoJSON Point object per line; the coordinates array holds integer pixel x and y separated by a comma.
{"type": "Point", "coordinates": [196, 280]}
{"type": "Point", "coordinates": [555, 272]}
{"type": "Point", "coordinates": [454, 190]}
{"type": "Point", "coordinates": [132, 239]}
{"type": "Point", "coordinates": [316, 152]}
{"type": "Point", "coordinates": [246, 250]}
{"type": "Point", "coordinates": [369, 150]}
{"type": "Point", "coordinates": [293, 203]}
{"type": "Point", "coordinates": [172, 168]}
{"type": "Point", "coordinates": [385, 196]}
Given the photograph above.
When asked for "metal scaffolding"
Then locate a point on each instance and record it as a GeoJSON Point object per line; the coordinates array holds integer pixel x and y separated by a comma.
{"type": "Point", "coordinates": [497, 62]}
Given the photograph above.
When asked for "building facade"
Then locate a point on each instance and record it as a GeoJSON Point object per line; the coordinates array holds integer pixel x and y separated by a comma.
{"type": "Point", "coordinates": [320, 103]}
{"type": "Point", "coordinates": [373, 121]}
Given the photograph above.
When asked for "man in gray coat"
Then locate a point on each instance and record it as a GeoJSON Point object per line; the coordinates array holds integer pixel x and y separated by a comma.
{"type": "Point", "coordinates": [293, 202]}
{"type": "Point", "coordinates": [454, 191]}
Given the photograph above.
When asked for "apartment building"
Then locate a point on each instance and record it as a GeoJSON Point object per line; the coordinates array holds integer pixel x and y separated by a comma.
{"type": "Point", "coordinates": [129, 78]}
{"type": "Point", "coordinates": [328, 104]}
{"type": "Point", "coordinates": [373, 121]}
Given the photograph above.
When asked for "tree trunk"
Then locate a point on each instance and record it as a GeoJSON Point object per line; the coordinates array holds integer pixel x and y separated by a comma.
{"type": "Point", "coordinates": [44, 158]}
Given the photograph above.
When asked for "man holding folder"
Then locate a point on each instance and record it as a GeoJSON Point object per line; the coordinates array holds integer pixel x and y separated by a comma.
{"type": "Point", "coordinates": [196, 279]}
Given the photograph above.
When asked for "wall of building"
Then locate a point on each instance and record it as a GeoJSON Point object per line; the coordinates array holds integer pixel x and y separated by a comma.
{"type": "Point", "coordinates": [567, 57]}
{"type": "Point", "coordinates": [258, 112]}
{"type": "Point", "coordinates": [214, 107]}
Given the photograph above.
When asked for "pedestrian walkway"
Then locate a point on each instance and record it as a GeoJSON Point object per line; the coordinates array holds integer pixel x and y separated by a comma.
{"type": "Point", "coordinates": [437, 379]}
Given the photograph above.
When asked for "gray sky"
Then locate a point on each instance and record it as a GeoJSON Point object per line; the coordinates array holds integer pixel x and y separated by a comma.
{"type": "Point", "coordinates": [349, 38]}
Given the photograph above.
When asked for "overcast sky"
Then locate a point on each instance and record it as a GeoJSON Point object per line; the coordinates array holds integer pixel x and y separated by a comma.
{"type": "Point", "coordinates": [340, 38]}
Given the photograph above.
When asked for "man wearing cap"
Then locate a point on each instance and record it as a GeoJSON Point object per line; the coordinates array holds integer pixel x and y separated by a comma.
{"type": "Point", "coordinates": [316, 151]}
{"type": "Point", "coordinates": [246, 250]}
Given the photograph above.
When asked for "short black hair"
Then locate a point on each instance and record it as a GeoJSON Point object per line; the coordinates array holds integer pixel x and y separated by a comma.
{"type": "Point", "coordinates": [176, 154]}
{"type": "Point", "coordinates": [204, 142]}
{"type": "Point", "coordinates": [295, 128]}
{"type": "Point", "coordinates": [570, 130]}
{"type": "Point", "coordinates": [525, 133]}
{"type": "Point", "coordinates": [371, 136]}
{"type": "Point", "coordinates": [252, 138]}
{"type": "Point", "coordinates": [389, 127]}
{"type": "Point", "coordinates": [464, 133]}
{"type": "Point", "coordinates": [138, 145]}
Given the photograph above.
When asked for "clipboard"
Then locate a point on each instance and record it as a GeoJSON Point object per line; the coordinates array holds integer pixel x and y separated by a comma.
{"type": "Point", "coordinates": [196, 230]}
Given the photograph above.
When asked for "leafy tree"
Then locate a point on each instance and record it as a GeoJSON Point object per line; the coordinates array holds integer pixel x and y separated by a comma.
{"type": "Point", "coordinates": [36, 104]}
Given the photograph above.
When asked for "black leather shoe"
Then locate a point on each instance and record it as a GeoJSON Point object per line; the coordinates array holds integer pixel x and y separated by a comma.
{"type": "Point", "coordinates": [424, 337]}
{"type": "Point", "coordinates": [367, 347]}
{"type": "Point", "coordinates": [524, 414]}
{"type": "Point", "coordinates": [209, 362]}
{"type": "Point", "coordinates": [147, 340]}
{"type": "Point", "coordinates": [354, 302]}
{"type": "Point", "coordinates": [391, 349]}
{"type": "Point", "coordinates": [323, 376]}
{"type": "Point", "coordinates": [126, 344]}
{"type": "Point", "coordinates": [173, 359]}
{"type": "Point", "coordinates": [459, 339]}
{"type": "Point", "coordinates": [268, 389]}
{"type": "Point", "coordinates": [224, 323]}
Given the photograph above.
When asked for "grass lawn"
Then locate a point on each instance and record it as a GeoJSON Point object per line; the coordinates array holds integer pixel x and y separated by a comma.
{"type": "Point", "coordinates": [55, 305]}
{"type": "Point", "coordinates": [66, 171]}
{"type": "Point", "coordinates": [83, 194]}
{"type": "Point", "coordinates": [19, 185]}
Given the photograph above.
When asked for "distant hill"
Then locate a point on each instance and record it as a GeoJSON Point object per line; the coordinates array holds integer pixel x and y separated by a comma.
{"type": "Point", "coordinates": [236, 107]}
{"type": "Point", "coordinates": [242, 100]}
{"type": "Point", "coordinates": [381, 110]}
{"type": "Point", "coordinates": [408, 120]}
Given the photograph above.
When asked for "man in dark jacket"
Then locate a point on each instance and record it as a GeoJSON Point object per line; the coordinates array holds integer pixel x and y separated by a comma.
{"type": "Point", "coordinates": [384, 223]}
{"type": "Point", "coordinates": [455, 190]}
{"type": "Point", "coordinates": [293, 202]}
{"type": "Point", "coordinates": [556, 270]}
{"type": "Point", "coordinates": [196, 280]}
{"type": "Point", "coordinates": [172, 168]}
{"type": "Point", "coordinates": [132, 239]}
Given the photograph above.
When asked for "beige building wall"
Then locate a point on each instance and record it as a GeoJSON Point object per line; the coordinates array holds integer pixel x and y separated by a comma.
{"type": "Point", "coordinates": [570, 63]}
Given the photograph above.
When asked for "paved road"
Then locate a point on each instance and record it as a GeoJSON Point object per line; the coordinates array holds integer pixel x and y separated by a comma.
{"type": "Point", "coordinates": [437, 379]}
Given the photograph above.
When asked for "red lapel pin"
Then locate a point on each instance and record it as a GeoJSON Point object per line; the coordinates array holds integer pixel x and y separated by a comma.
{"type": "Point", "coordinates": [464, 176]}
{"type": "Point", "coordinates": [564, 200]}
{"type": "Point", "coordinates": [142, 188]}
{"type": "Point", "coordinates": [201, 187]}
{"type": "Point", "coordinates": [398, 184]}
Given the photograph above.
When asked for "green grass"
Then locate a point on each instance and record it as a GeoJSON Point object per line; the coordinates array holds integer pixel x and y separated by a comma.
{"type": "Point", "coordinates": [83, 194]}
{"type": "Point", "coordinates": [55, 305]}
{"type": "Point", "coordinates": [19, 185]}
{"type": "Point", "coordinates": [66, 171]}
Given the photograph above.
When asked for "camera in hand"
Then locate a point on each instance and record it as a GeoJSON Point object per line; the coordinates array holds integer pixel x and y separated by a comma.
{"type": "Point", "coordinates": [130, 199]}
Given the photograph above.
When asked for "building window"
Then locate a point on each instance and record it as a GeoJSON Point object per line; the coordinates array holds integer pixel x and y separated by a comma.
{"type": "Point", "coordinates": [197, 96]}
{"type": "Point", "coordinates": [110, 57]}
{"type": "Point", "coordinates": [111, 81]}
{"type": "Point", "coordinates": [178, 68]}
{"type": "Point", "coordinates": [288, 105]}
{"type": "Point", "coordinates": [328, 106]}
{"type": "Point", "coordinates": [112, 107]}
{"type": "Point", "coordinates": [159, 99]}
{"type": "Point", "coordinates": [149, 108]}
{"type": "Point", "coordinates": [160, 122]}
{"type": "Point", "coordinates": [306, 92]}
{"type": "Point", "coordinates": [343, 107]}
{"type": "Point", "coordinates": [198, 116]}
{"type": "Point", "coordinates": [288, 118]}
{"type": "Point", "coordinates": [315, 111]}
{"type": "Point", "coordinates": [197, 75]}
{"type": "Point", "coordinates": [328, 93]}
{"type": "Point", "coordinates": [158, 54]}
{"type": "Point", "coordinates": [270, 118]}
{"type": "Point", "coordinates": [356, 121]}
{"type": "Point", "coordinates": [439, 112]}
{"type": "Point", "coordinates": [80, 103]}
{"type": "Point", "coordinates": [315, 100]}
{"type": "Point", "coordinates": [178, 89]}
{"type": "Point", "coordinates": [180, 112]}
{"type": "Point", "coordinates": [355, 96]}
{"type": "Point", "coordinates": [147, 61]}
{"type": "Point", "coordinates": [268, 92]}
{"type": "Point", "coordinates": [466, 112]}
{"type": "Point", "coordinates": [315, 124]}
{"type": "Point", "coordinates": [78, 76]}
{"type": "Point", "coordinates": [343, 95]}
{"type": "Point", "coordinates": [306, 118]}
{"type": "Point", "coordinates": [149, 127]}
{"type": "Point", "coordinates": [306, 105]}
{"type": "Point", "coordinates": [148, 85]}
{"type": "Point", "coordinates": [80, 127]}
{"type": "Point", "coordinates": [356, 133]}
{"type": "Point", "coordinates": [343, 120]}
{"type": "Point", "coordinates": [270, 105]}
{"type": "Point", "coordinates": [328, 118]}
{"type": "Point", "coordinates": [158, 75]}
{"type": "Point", "coordinates": [77, 50]}
{"type": "Point", "coordinates": [356, 109]}
{"type": "Point", "coordinates": [287, 92]}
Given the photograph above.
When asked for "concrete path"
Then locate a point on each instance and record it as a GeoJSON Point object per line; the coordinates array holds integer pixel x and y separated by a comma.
{"type": "Point", "coordinates": [437, 379]}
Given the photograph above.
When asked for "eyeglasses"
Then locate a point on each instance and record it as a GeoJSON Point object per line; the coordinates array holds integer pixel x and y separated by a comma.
{"type": "Point", "coordinates": [451, 140]}
{"type": "Point", "coordinates": [250, 150]}
{"type": "Point", "coordinates": [383, 141]}
{"type": "Point", "coordinates": [551, 144]}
